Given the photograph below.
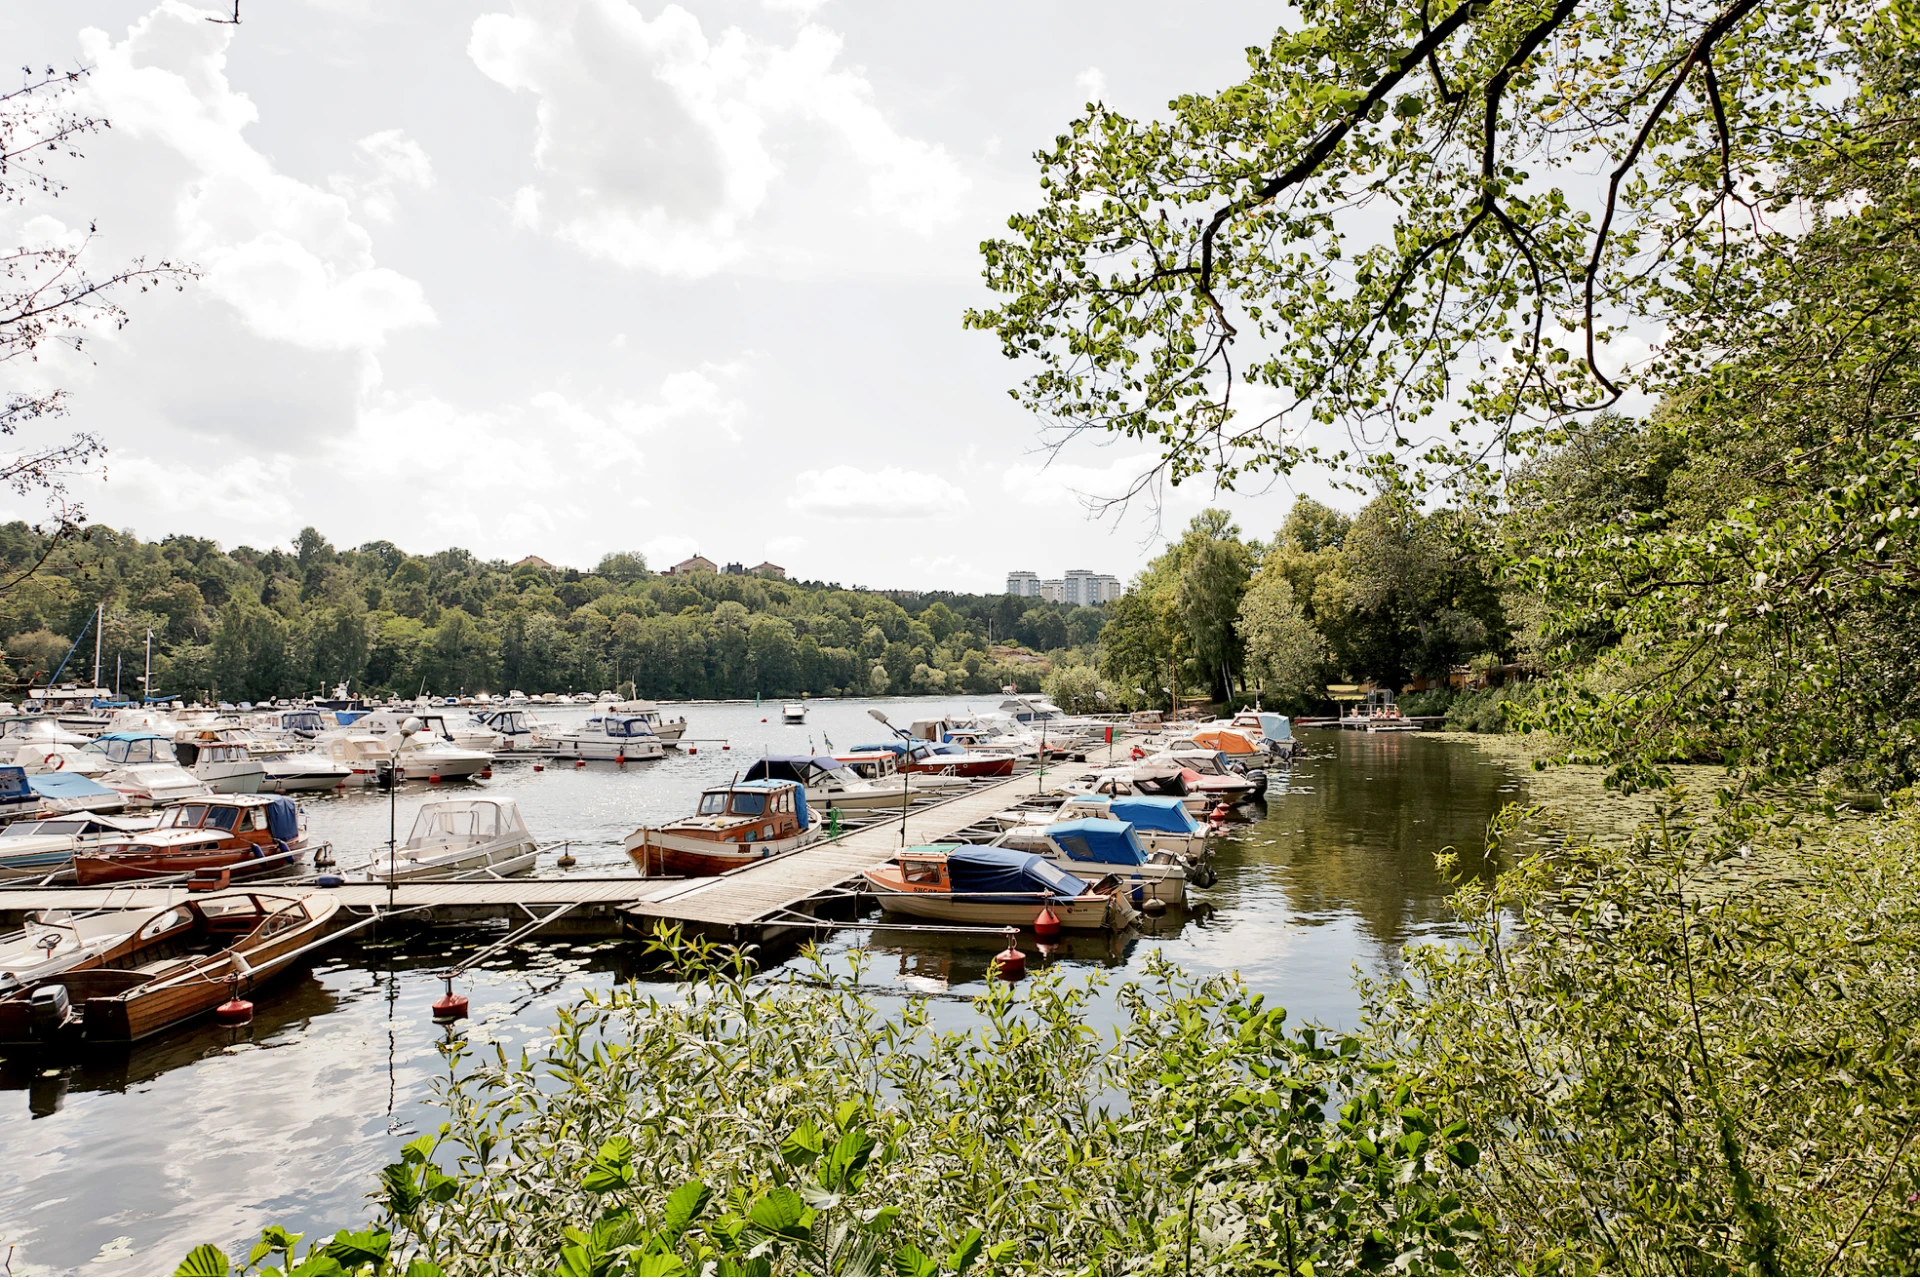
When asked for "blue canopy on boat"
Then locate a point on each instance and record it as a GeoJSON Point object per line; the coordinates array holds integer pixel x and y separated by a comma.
{"type": "Point", "coordinates": [132, 737]}
{"type": "Point", "coordinates": [68, 786]}
{"type": "Point", "coordinates": [976, 869]}
{"type": "Point", "coordinates": [283, 820]}
{"type": "Point", "coordinates": [1277, 727]}
{"type": "Point", "coordinates": [1155, 813]}
{"type": "Point", "coordinates": [13, 785]}
{"type": "Point", "coordinates": [1098, 840]}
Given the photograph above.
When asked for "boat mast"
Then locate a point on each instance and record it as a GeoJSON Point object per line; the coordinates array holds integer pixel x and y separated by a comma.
{"type": "Point", "coordinates": [146, 681]}
{"type": "Point", "coordinates": [99, 614]}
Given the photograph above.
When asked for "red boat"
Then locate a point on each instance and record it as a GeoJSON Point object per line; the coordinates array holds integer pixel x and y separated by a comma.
{"type": "Point", "coordinates": [947, 758]}
{"type": "Point", "coordinates": [737, 824]}
{"type": "Point", "coordinates": [246, 835]}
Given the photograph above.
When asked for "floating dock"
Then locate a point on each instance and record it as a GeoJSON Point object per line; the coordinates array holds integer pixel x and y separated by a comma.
{"type": "Point", "coordinates": [754, 903]}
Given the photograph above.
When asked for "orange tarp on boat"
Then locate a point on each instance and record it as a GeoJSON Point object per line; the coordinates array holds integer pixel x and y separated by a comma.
{"type": "Point", "coordinates": [1234, 744]}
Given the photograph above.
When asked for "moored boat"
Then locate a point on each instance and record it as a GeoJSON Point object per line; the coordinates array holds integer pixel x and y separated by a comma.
{"type": "Point", "coordinates": [970, 884]}
{"type": "Point", "coordinates": [227, 766]}
{"type": "Point", "coordinates": [52, 942]}
{"type": "Point", "coordinates": [829, 783]}
{"type": "Point", "coordinates": [484, 835]}
{"type": "Point", "coordinates": [1094, 847]}
{"type": "Point", "coordinates": [45, 846]}
{"type": "Point", "coordinates": [735, 824]}
{"type": "Point", "coordinates": [180, 964]}
{"type": "Point", "coordinates": [610, 736]}
{"type": "Point", "coordinates": [794, 713]}
{"type": "Point", "coordinates": [142, 766]}
{"type": "Point", "coordinates": [243, 835]}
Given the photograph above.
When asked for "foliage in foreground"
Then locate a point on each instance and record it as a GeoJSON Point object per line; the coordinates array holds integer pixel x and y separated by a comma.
{"type": "Point", "coordinates": [785, 1124]}
{"type": "Point", "coordinates": [1677, 1065]}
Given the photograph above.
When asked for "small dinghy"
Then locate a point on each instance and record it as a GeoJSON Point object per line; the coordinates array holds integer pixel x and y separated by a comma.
{"type": "Point", "coordinates": [460, 838]}
{"type": "Point", "coordinates": [53, 942]}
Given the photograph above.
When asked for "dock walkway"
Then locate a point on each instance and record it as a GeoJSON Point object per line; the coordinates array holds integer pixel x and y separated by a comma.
{"type": "Point", "coordinates": [756, 901]}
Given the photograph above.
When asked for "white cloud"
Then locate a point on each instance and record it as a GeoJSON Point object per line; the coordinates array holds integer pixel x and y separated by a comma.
{"type": "Point", "coordinates": [288, 257]}
{"type": "Point", "coordinates": [1092, 83]}
{"type": "Point", "coordinates": [659, 148]}
{"type": "Point", "coordinates": [805, 8]}
{"type": "Point", "coordinates": [1039, 482]}
{"type": "Point", "coordinates": [391, 160]}
{"type": "Point", "coordinates": [848, 492]}
{"type": "Point", "coordinates": [668, 549]}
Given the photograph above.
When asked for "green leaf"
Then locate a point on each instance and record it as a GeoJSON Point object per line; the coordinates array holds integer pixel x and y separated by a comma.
{"type": "Point", "coordinates": [204, 1260]}
{"type": "Point", "coordinates": [403, 1196]}
{"type": "Point", "coordinates": [660, 1264]}
{"type": "Point", "coordinates": [687, 1202]}
{"type": "Point", "coordinates": [781, 1212]}
{"type": "Point", "coordinates": [424, 1267]}
{"type": "Point", "coordinates": [803, 1146]}
{"type": "Point", "coordinates": [612, 1167]}
{"type": "Point", "coordinates": [318, 1264]}
{"type": "Point", "coordinates": [1003, 1253]}
{"type": "Point", "coordinates": [417, 1151]}
{"type": "Point", "coordinates": [848, 1157]}
{"type": "Point", "coordinates": [353, 1249]}
{"type": "Point", "coordinates": [909, 1261]}
{"type": "Point", "coordinates": [969, 1248]}
{"type": "Point", "coordinates": [882, 1220]}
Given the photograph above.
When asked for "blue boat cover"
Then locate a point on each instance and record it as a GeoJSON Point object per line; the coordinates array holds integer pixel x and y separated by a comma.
{"type": "Point", "coordinates": [132, 737]}
{"type": "Point", "coordinates": [1155, 813]}
{"type": "Point", "coordinates": [283, 820]}
{"type": "Point", "coordinates": [1098, 840]}
{"type": "Point", "coordinates": [1276, 727]}
{"type": "Point", "coordinates": [347, 717]}
{"type": "Point", "coordinates": [975, 869]}
{"type": "Point", "coordinates": [13, 785]}
{"type": "Point", "coordinates": [68, 786]}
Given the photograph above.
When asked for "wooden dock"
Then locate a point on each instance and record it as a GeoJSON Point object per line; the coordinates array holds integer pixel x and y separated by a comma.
{"type": "Point", "coordinates": [755, 902]}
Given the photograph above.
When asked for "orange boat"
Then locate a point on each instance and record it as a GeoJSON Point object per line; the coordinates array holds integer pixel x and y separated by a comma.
{"type": "Point", "coordinates": [181, 963]}
{"type": "Point", "coordinates": [247, 835]}
{"type": "Point", "coordinates": [737, 823]}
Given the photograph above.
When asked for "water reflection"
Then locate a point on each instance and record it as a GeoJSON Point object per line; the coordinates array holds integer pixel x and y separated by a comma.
{"type": "Point", "coordinates": [213, 1133]}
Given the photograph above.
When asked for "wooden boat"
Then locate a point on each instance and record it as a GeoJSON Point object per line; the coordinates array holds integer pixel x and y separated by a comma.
{"type": "Point", "coordinates": [173, 968]}
{"type": "Point", "coordinates": [247, 835]}
{"type": "Point", "coordinates": [458, 837]}
{"type": "Point", "coordinates": [970, 884]}
{"type": "Point", "coordinates": [736, 824]}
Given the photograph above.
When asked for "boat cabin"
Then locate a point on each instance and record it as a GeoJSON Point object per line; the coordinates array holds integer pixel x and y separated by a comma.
{"type": "Point", "coordinates": [1165, 815]}
{"type": "Point", "coordinates": [1031, 709]}
{"type": "Point", "coordinates": [984, 874]}
{"type": "Point", "coordinates": [808, 771]}
{"type": "Point", "coordinates": [751, 810]}
{"type": "Point", "coordinates": [1103, 841]}
{"type": "Point", "coordinates": [229, 822]}
{"type": "Point", "coordinates": [880, 764]}
{"type": "Point", "coordinates": [621, 726]}
{"type": "Point", "coordinates": [17, 796]}
{"type": "Point", "coordinates": [216, 752]}
{"type": "Point", "coordinates": [512, 723]}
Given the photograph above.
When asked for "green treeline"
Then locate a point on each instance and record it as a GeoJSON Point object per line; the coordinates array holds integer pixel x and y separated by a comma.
{"type": "Point", "coordinates": [249, 624]}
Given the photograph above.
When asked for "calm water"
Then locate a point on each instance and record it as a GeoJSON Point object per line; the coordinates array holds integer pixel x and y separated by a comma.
{"type": "Point", "coordinates": [121, 1164]}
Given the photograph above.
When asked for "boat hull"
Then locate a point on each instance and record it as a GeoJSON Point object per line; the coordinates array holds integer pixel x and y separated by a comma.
{"type": "Point", "coordinates": [510, 860]}
{"type": "Point", "coordinates": [1076, 913]}
{"type": "Point", "coordinates": [608, 749]}
{"type": "Point", "coordinates": [664, 853]}
{"type": "Point", "coordinates": [240, 864]}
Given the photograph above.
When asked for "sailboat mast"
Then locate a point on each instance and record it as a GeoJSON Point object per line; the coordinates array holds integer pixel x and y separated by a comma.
{"type": "Point", "coordinates": [99, 614]}
{"type": "Point", "coordinates": [146, 682]}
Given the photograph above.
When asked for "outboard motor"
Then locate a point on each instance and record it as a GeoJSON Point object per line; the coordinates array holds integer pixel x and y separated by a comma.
{"type": "Point", "coordinates": [48, 1010]}
{"type": "Point", "coordinates": [1258, 777]}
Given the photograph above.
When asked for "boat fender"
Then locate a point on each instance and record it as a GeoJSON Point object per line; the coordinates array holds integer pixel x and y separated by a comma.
{"type": "Point", "coordinates": [329, 881]}
{"type": "Point", "coordinates": [1046, 924]}
{"type": "Point", "coordinates": [1009, 965]}
{"type": "Point", "coordinates": [449, 1007]}
{"type": "Point", "coordinates": [1154, 907]}
{"type": "Point", "coordinates": [234, 1012]}
{"type": "Point", "coordinates": [241, 967]}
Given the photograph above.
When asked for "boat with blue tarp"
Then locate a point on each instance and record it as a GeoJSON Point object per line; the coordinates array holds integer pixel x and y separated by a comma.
{"type": "Point", "coordinates": [977, 884]}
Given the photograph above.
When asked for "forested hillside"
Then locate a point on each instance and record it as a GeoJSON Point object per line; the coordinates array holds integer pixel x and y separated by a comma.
{"type": "Point", "coordinates": [250, 624]}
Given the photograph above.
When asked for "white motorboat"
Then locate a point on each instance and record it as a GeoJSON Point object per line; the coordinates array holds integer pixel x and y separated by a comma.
{"type": "Point", "coordinates": [1094, 847]}
{"type": "Point", "coordinates": [44, 846]}
{"type": "Point", "coordinates": [829, 783]}
{"type": "Point", "coordinates": [484, 835]}
{"type": "Point", "coordinates": [1160, 823]}
{"type": "Point", "coordinates": [226, 766]}
{"type": "Point", "coordinates": [515, 730]}
{"type": "Point", "coordinates": [142, 766]}
{"type": "Point", "coordinates": [364, 756]}
{"type": "Point", "coordinates": [668, 731]}
{"type": "Point", "coordinates": [462, 731]}
{"type": "Point", "coordinates": [424, 754]}
{"type": "Point", "coordinates": [794, 713]}
{"type": "Point", "coordinates": [303, 771]}
{"type": "Point", "coordinates": [41, 746]}
{"type": "Point", "coordinates": [621, 738]}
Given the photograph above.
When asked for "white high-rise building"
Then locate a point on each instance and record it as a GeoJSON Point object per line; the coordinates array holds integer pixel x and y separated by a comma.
{"type": "Point", "coordinates": [1023, 582]}
{"type": "Point", "coordinates": [1107, 589]}
{"type": "Point", "coordinates": [1053, 589]}
{"type": "Point", "coordinates": [1077, 587]}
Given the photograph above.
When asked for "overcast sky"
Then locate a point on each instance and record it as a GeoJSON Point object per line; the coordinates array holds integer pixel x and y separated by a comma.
{"type": "Point", "coordinates": [563, 277]}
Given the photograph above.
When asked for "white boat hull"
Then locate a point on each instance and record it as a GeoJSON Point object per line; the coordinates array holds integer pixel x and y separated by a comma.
{"type": "Point", "coordinates": [1020, 915]}
{"type": "Point", "coordinates": [582, 748]}
{"type": "Point", "coordinates": [512, 860]}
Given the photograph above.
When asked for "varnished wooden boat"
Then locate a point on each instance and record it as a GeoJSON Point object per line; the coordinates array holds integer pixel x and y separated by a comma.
{"type": "Point", "coordinates": [970, 884]}
{"type": "Point", "coordinates": [736, 824]}
{"type": "Point", "coordinates": [249, 835]}
{"type": "Point", "coordinates": [181, 964]}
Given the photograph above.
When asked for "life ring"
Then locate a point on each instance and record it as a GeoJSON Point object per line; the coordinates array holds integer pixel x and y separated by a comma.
{"type": "Point", "coordinates": [54, 761]}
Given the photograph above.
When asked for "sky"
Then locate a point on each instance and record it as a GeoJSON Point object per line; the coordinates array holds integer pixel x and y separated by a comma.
{"type": "Point", "coordinates": [568, 277]}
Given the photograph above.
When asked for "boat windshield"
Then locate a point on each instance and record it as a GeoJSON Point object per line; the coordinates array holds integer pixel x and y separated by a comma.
{"type": "Point", "coordinates": [749, 802]}
{"type": "Point", "coordinates": [202, 815]}
{"type": "Point", "coordinates": [438, 825]}
{"type": "Point", "coordinates": [713, 802]}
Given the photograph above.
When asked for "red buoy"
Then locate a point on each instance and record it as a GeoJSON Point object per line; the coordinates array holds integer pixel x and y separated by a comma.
{"type": "Point", "coordinates": [449, 1007]}
{"type": "Point", "coordinates": [693, 751]}
{"type": "Point", "coordinates": [1010, 965]}
{"type": "Point", "coordinates": [579, 764]}
{"type": "Point", "coordinates": [433, 779]}
{"type": "Point", "coordinates": [486, 773]}
{"type": "Point", "coordinates": [1046, 924]}
{"type": "Point", "coordinates": [538, 768]}
{"type": "Point", "coordinates": [726, 746]}
{"type": "Point", "coordinates": [235, 1012]}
